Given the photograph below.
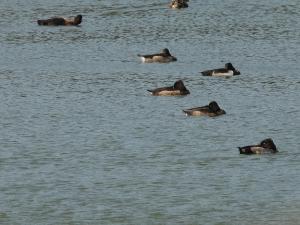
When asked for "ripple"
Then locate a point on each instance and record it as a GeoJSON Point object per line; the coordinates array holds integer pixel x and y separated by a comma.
{"type": "Point", "coordinates": [83, 142]}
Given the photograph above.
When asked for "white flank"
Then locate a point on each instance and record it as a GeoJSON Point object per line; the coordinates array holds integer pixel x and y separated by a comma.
{"type": "Point", "coordinates": [143, 59]}
{"type": "Point", "coordinates": [229, 73]}
{"type": "Point", "coordinates": [169, 93]}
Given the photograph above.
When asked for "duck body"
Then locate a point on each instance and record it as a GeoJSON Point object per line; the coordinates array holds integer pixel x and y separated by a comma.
{"type": "Point", "coordinates": [60, 21]}
{"type": "Point", "coordinates": [211, 110]}
{"type": "Point", "coordinates": [264, 147]}
{"type": "Point", "coordinates": [163, 57]}
{"type": "Point", "coordinates": [178, 4]}
{"type": "Point", "coordinates": [177, 89]}
{"type": "Point", "coordinates": [228, 70]}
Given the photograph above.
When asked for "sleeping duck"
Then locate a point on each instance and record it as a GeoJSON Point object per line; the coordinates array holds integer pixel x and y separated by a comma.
{"type": "Point", "coordinates": [177, 89]}
{"type": "Point", "coordinates": [229, 70]}
{"type": "Point", "coordinates": [265, 146]}
{"type": "Point", "coordinates": [163, 57]}
{"type": "Point", "coordinates": [60, 21]}
{"type": "Point", "coordinates": [212, 110]}
{"type": "Point", "coordinates": [178, 4]}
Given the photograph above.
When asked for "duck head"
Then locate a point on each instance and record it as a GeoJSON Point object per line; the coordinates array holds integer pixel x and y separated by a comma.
{"type": "Point", "coordinates": [214, 106]}
{"type": "Point", "coordinates": [269, 144]}
{"type": "Point", "coordinates": [78, 19]}
{"type": "Point", "coordinates": [179, 85]}
{"type": "Point", "coordinates": [166, 51]}
{"type": "Point", "coordinates": [229, 66]}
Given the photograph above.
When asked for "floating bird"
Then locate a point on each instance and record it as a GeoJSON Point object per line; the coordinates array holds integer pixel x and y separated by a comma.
{"type": "Point", "coordinates": [60, 21]}
{"type": "Point", "coordinates": [163, 57]}
{"type": "Point", "coordinates": [177, 89]}
{"type": "Point", "coordinates": [265, 146]}
{"type": "Point", "coordinates": [212, 110]}
{"type": "Point", "coordinates": [229, 70]}
{"type": "Point", "coordinates": [178, 4]}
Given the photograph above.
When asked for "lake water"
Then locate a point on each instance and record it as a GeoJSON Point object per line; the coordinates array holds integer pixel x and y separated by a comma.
{"type": "Point", "coordinates": [83, 142]}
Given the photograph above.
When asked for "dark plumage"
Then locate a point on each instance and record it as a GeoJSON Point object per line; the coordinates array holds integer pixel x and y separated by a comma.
{"type": "Point", "coordinates": [60, 21]}
{"type": "Point", "coordinates": [177, 89]}
{"type": "Point", "coordinates": [163, 57]}
{"type": "Point", "coordinates": [229, 70]}
{"type": "Point", "coordinates": [212, 110]}
{"type": "Point", "coordinates": [265, 146]}
{"type": "Point", "coordinates": [178, 4]}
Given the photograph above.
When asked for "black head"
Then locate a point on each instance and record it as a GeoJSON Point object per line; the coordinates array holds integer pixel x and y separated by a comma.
{"type": "Point", "coordinates": [268, 143]}
{"type": "Point", "coordinates": [166, 51]}
{"type": "Point", "coordinates": [178, 85]}
{"type": "Point", "coordinates": [78, 19]}
{"type": "Point", "coordinates": [229, 66]}
{"type": "Point", "coordinates": [214, 106]}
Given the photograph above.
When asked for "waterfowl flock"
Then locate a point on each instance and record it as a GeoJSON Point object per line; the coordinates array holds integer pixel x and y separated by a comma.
{"type": "Point", "coordinates": [178, 88]}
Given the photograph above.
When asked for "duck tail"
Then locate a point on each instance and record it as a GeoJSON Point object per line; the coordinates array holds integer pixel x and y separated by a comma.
{"type": "Point", "coordinates": [186, 112]}
{"type": "Point", "coordinates": [241, 150]}
{"type": "Point", "coordinates": [245, 150]}
{"type": "Point", "coordinates": [206, 73]}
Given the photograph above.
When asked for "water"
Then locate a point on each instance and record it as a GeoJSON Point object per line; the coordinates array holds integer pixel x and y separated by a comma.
{"type": "Point", "coordinates": [82, 142]}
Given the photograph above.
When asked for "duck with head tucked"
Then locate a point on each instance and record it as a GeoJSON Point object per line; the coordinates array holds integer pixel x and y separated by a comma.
{"type": "Point", "coordinates": [178, 4]}
{"type": "Point", "coordinates": [229, 70]}
{"type": "Point", "coordinates": [265, 146]}
{"type": "Point", "coordinates": [211, 110]}
{"type": "Point", "coordinates": [177, 89]}
{"type": "Point", "coordinates": [163, 57]}
{"type": "Point", "coordinates": [61, 21]}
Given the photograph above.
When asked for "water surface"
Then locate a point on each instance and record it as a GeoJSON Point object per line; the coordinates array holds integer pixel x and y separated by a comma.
{"type": "Point", "coordinates": [82, 142]}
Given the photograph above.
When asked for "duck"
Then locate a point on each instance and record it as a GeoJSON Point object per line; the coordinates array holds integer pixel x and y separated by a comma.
{"type": "Point", "coordinates": [61, 21]}
{"type": "Point", "coordinates": [211, 110]}
{"type": "Point", "coordinates": [163, 57]}
{"type": "Point", "coordinates": [177, 89]}
{"type": "Point", "coordinates": [229, 70]}
{"type": "Point", "coordinates": [178, 4]}
{"type": "Point", "coordinates": [265, 146]}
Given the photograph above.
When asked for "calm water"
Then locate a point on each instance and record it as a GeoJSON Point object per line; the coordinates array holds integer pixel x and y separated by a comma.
{"type": "Point", "coordinates": [82, 142]}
